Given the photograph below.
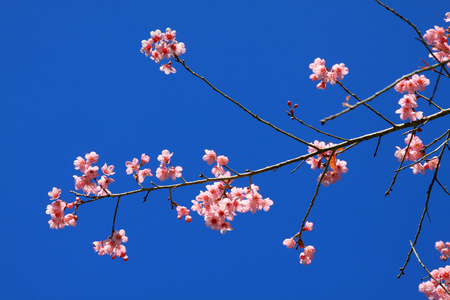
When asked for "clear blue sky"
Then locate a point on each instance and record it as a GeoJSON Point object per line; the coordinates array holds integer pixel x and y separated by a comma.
{"type": "Point", "coordinates": [73, 81]}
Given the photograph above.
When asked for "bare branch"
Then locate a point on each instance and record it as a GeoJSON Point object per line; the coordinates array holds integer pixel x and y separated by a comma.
{"type": "Point", "coordinates": [241, 106]}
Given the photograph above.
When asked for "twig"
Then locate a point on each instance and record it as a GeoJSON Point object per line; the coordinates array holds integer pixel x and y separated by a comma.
{"type": "Point", "coordinates": [401, 163]}
{"type": "Point", "coordinates": [299, 234]}
{"type": "Point", "coordinates": [314, 128]}
{"type": "Point", "coordinates": [448, 193]}
{"type": "Point", "coordinates": [115, 213]}
{"type": "Point", "coordinates": [366, 105]}
{"type": "Point", "coordinates": [378, 145]}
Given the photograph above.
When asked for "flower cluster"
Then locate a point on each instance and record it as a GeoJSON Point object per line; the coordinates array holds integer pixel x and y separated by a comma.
{"type": "Point", "coordinates": [338, 167]}
{"type": "Point", "coordinates": [444, 249]}
{"type": "Point", "coordinates": [415, 151]}
{"type": "Point", "coordinates": [113, 245]}
{"type": "Point", "coordinates": [163, 45]}
{"type": "Point", "coordinates": [438, 38]}
{"type": "Point", "coordinates": [308, 254]}
{"type": "Point", "coordinates": [135, 166]}
{"type": "Point", "coordinates": [88, 181]}
{"type": "Point", "coordinates": [320, 72]}
{"type": "Point", "coordinates": [433, 288]}
{"type": "Point", "coordinates": [164, 172]}
{"type": "Point", "coordinates": [220, 202]}
{"type": "Point", "coordinates": [408, 102]}
{"type": "Point", "coordinates": [56, 211]}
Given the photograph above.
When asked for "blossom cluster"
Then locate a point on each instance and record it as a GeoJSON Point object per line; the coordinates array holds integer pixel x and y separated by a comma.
{"type": "Point", "coordinates": [325, 75]}
{"type": "Point", "coordinates": [338, 167]}
{"type": "Point", "coordinates": [433, 288]}
{"type": "Point", "coordinates": [308, 253]}
{"type": "Point", "coordinates": [135, 166]}
{"type": "Point", "coordinates": [408, 102]}
{"type": "Point", "coordinates": [220, 202]}
{"type": "Point", "coordinates": [444, 249]}
{"type": "Point", "coordinates": [415, 151]}
{"type": "Point", "coordinates": [113, 245]}
{"type": "Point", "coordinates": [56, 211]}
{"type": "Point", "coordinates": [88, 182]}
{"type": "Point", "coordinates": [164, 172]}
{"type": "Point", "coordinates": [163, 45]}
{"type": "Point", "coordinates": [438, 38]}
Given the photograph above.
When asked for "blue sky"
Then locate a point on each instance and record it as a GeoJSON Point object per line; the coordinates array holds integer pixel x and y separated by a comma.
{"type": "Point", "coordinates": [74, 81]}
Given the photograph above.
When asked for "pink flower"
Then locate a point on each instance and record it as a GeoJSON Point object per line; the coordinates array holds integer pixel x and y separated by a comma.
{"type": "Point", "coordinates": [307, 255]}
{"type": "Point", "coordinates": [175, 173]}
{"type": "Point", "coordinates": [167, 68]}
{"type": "Point", "coordinates": [290, 243]}
{"type": "Point", "coordinates": [418, 168]}
{"type": "Point", "coordinates": [210, 156]}
{"type": "Point", "coordinates": [92, 157]}
{"type": "Point", "coordinates": [54, 193]}
{"type": "Point", "coordinates": [144, 159]}
{"type": "Point", "coordinates": [108, 170]}
{"type": "Point", "coordinates": [447, 17]}
{"type": "Point", "coordinates": [113, 246]}
{"type": "Point", "coordinates": [142, 174]}
{"type": "Point", "coordinates": [340, 70]}
{"type": "Point", "coordinates": [162, 173]}
{"type": "Point", "coordinates": [222, 160]}
{"type": "Point", "coordinates": [79, 164]}
{"type": "Point", "coordinates": [132, 166]}
{"type": "Point", "coordinates": [164, 157]}
{"type": "Point", "coordinates": [308, 226]}
{"type": "Point", "coordinates": [432, 164]}
{"type": "Point", "coordinates": [408, 101]}
{"type": "Point", "coordinates": [105, 181]}
{"type": "Point", "coordinates": [91, 172]}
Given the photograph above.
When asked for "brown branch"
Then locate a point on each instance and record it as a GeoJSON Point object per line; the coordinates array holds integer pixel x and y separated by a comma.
{"type": "Point", "coordinates": [241, 106]}
{"type": "Point", "coordinates": [401, 163]}
{"type": "Point", "coordinates": [323, 121]}
{"type": "Point", "coordinates": [366, 105]}
{"type": "Point", "coordinates": [423, 266]}
{"type": "Point", "coordinates": [314, 128]}
{"type": "Point", "coordinates": [115, 214]}
{"type": "Point", "coordinates": [311, 204]}
{"type": "Point", "coordinates": [425, 210]}
{"type": "Point", "coordinates": [350, 143]}
{"type": "Point", "coordinates": [448, 193]}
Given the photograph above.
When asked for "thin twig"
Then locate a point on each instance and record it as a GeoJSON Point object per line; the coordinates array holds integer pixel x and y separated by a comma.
{"type": "Point", "coordinates": [401, 163]}
{"type": "Point", "coordinates": [115, 214]}
{"type": "Point", "coordinates": [378, 145]}
{"type": "Point", "coordinates": [448, 193]}
{"type": "Point", "coordinates": [311, 204]}
{"type": "Point", "coordinates": [314, 128]}
{"type": "Point", "coordinates": [366, 105]}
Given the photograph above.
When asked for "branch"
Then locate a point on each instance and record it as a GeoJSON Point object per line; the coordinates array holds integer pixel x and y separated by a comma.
{"type": "Point", "coordinates": [348, 144]}
{"type": "Point", "coordinates": [425, 210]}
{"type": "Point", "coordinates": [323, 121]}
{"type": "Point", "coordinates": [241, 106]}
{"type": "Point", "coordinates": [420, 262]}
